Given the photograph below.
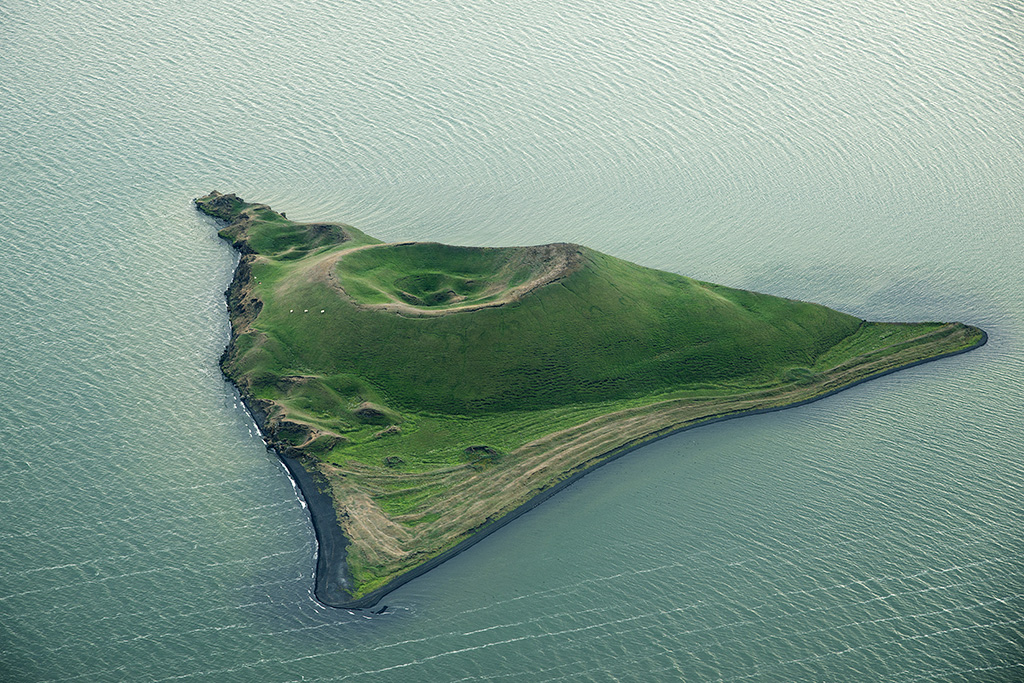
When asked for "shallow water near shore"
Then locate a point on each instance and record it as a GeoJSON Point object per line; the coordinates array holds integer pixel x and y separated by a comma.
{"type": "Point", "coordinates": [867, 159]}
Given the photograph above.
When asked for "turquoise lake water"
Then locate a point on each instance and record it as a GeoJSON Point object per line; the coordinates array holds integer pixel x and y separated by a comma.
{"type": "Point", "coordinates": [868, 157]}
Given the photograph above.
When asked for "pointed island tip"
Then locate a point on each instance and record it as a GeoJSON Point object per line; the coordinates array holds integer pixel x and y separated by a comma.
{"type": "Point", "coordinates": [440, 392]}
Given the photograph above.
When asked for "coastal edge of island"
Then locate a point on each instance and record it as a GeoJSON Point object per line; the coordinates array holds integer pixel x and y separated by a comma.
{"type": "Point", "coordinates": [331, 576]}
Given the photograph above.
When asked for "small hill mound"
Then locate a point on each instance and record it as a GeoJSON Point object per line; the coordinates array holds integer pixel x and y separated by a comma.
{"type": "Point", "coordinates": [484, 330]}
{"type": "Point", "coordinates": [427, 278]}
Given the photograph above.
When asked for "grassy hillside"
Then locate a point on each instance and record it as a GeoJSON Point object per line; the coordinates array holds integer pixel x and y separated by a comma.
{"type": "Point", "coordinates": [437, 388]}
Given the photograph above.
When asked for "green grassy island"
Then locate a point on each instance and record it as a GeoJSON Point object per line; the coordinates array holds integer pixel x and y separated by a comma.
{"type": "Point", "coordinates": [432, 393]}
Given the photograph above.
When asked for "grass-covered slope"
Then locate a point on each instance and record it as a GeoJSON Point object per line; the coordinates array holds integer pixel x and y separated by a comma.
{"type": "Point", "coordinates": [437, 388]}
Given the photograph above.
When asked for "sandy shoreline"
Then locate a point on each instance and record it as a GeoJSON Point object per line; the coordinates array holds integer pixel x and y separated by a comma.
{"type": "Point", "coordinates": [373, 597]}
{"type": "Point", "coordinates": [331, 576]}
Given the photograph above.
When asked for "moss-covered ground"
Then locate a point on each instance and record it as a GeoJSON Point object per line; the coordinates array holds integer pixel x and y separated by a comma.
{"type": "Point", "coordinates": [437, 387]}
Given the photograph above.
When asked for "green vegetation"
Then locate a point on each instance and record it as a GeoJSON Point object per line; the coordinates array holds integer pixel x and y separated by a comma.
{"type": "Point", "coordinates": [432, 275]}
{"type": "Point", "coordinates": [438, 388]}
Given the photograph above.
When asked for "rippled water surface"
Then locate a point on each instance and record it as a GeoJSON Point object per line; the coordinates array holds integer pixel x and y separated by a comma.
{"type": "Point", "coordinates": [866, 157]}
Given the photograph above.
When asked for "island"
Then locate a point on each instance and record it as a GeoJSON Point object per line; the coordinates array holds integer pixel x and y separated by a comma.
{"type": "Point", "coordinates": [423, 395]}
